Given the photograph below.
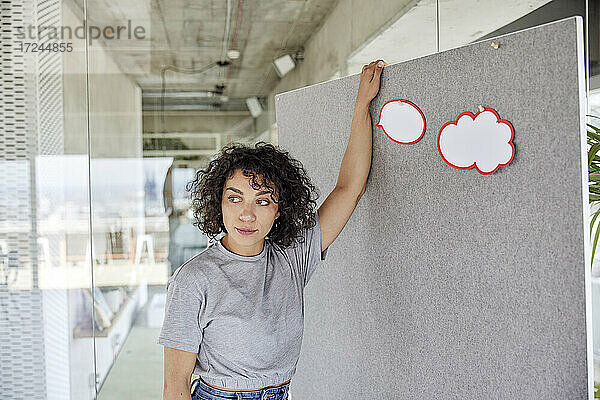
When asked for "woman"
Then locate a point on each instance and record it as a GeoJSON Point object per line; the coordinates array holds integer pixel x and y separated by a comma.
{"type": "Point", "coordinates": [234, 313]}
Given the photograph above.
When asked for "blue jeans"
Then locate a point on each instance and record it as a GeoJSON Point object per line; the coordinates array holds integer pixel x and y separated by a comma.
{"type": "Point", "coordinates": [202, 391]}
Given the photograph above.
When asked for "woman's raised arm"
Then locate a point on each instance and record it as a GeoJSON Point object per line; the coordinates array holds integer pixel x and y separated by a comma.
{"type": "Point", "coordinates": [351, 183]}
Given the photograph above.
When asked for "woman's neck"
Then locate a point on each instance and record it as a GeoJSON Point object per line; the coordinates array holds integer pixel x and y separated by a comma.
{"type": "Point", "coordinates": [246, 251]}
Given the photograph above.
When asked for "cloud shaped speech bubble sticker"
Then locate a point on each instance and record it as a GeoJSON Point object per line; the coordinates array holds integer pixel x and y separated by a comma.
{"type": "Point", "coordinates": [402, 121]}
{"type": "Point", "coordinates": [483, 141]}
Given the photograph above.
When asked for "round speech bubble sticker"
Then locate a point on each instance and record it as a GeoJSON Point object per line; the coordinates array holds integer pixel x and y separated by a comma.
{"type": "Point", "coordinates": [402, 121]}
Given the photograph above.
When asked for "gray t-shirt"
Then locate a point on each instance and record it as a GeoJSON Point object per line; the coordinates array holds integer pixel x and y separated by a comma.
{"type": "Point", "coordinates": [244, 316]}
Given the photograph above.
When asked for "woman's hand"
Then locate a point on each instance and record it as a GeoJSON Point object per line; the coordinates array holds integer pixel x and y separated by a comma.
{"type": "Point", "coordinates": [368, 86]}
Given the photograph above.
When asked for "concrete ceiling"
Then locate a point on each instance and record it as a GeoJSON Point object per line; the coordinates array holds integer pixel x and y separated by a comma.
{"type": "Point", "coordinates": [196, 34]}
{"type": "Point", "coordinates": [193, 35]}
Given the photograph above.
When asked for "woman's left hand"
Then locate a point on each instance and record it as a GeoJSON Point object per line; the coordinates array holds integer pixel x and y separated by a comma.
{"type": "Point", "coordinates": [368, 86]}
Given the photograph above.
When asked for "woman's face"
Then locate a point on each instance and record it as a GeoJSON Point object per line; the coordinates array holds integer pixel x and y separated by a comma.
{"type": "Point", "coordinates": [248, 214]}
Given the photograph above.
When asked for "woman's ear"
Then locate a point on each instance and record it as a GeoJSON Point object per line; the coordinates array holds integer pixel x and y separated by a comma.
{"type": "Point", "coordinates": [277, 215]}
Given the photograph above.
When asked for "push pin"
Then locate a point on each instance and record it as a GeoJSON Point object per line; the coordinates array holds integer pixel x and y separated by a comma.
{"type": "Point", "coordinates": [494, 45]}
{"type": "Point", "coordinates": [480, 107]}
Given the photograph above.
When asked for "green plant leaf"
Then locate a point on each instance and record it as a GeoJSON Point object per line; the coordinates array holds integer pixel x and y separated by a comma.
{"type": "Point", "coordinates": [593, 141]}
{"type": "Point", "coordinates": [592, 153]}
{"type": "Point", "coordinates": [593, 126]}
{"type": "Point", "coordinates": [594, 217]}
{"type": "Point", "coordinates": [595, 243]}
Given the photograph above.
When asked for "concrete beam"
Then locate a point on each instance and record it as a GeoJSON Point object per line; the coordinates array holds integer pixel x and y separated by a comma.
{"type": "Point", "coordinates": [182, 135]}
{"type": "Point", "coordinates": [199, 113]}
{"type": "Point", "coordinates": [179, 153]}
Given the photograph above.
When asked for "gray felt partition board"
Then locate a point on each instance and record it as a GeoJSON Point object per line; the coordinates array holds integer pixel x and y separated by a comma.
{"type": "Point", "coordinates": [446, 283]}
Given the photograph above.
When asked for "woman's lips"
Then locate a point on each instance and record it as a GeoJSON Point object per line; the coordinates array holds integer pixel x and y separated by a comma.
{"type": "Point", "coordinates": [245, 231]}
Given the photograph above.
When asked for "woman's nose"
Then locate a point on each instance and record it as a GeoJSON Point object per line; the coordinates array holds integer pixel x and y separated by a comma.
{"type": "Point", "coordinates": [247, 214]}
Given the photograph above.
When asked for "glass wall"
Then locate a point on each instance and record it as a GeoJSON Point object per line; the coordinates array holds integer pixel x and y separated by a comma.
{"type": "Point", "coordinates": [109, 108]}
{"type": "Point", "coordinates": [45, 273]}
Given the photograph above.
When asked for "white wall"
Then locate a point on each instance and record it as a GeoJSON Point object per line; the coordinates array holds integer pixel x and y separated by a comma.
{"type": "Point", "coordinates": [115, 101]}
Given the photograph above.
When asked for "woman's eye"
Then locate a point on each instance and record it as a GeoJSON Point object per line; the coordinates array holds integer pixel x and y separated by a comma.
{"type": "Point", "coordinates": [263, 202]}
{"type": "Point", "coordinates": [234, 199]}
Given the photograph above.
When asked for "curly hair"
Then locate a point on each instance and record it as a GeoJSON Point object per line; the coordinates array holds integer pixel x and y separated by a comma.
{"type": "Point", "coordinates": [265, 164]}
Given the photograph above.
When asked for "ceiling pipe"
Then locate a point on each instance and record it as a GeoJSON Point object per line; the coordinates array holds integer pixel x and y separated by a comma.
{"type": "Point", "coordinates": [238, 22]}
{"type": "Point", "coordinates": [226, 33]}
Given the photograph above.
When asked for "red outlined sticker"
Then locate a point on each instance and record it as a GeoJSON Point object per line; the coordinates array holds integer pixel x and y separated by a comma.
{"type": "Point", "coordinates": [483, 141]}
{"type": "Point", "coordinates": [402, 121]}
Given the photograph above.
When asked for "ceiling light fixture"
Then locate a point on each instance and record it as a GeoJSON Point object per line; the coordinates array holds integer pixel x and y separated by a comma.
{"type": "Point", "coordinates": [254, 106]}
{"type": "Point", "coordinates": [283, 65]}
{"type": "Point", "coordinates": [233, 54]}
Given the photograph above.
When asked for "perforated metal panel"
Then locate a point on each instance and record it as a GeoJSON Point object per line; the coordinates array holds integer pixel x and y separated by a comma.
{"type": "Point", "coordinates": [50, 142]}
{"type": "Point", "coordinates": [56, 343]}
{"type": "Point", "coordinates": [49, 78]}
{"type": "Point", "coordinates": [30, 125]}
